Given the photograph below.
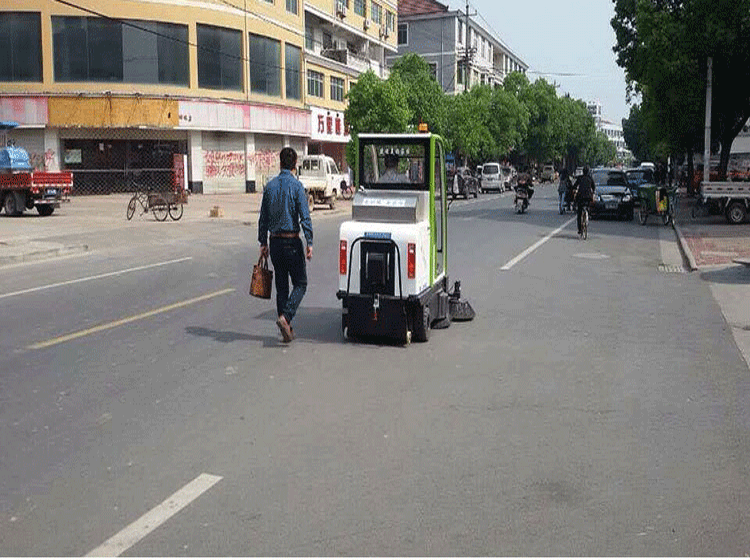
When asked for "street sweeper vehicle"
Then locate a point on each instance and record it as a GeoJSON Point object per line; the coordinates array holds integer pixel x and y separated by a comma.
{"type": "Point", "coordinates": [393, 253]}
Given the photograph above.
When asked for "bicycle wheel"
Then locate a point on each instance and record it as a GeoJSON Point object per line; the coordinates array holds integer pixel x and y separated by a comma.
{"type": "Point", "coordinates": [175, 210]}
{"type": "Point", "coordinates": [585, 224]}
{"type": "Point", "coordinates": [131, 207]}
{"type": "Point", "coordinates": [160, 208]}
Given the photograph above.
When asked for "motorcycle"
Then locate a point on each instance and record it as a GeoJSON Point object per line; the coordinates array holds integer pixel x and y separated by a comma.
{"type": "Point", "coordinates": [524, 192]}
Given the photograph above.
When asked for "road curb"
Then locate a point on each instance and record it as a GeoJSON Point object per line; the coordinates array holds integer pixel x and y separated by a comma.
{"type": "Point", "coordinates": [685, 248]}
{"type": "Point", "coordinates": [43, 254]}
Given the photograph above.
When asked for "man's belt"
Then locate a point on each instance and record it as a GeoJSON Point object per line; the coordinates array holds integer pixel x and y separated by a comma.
{"type": "Point", "coordinates": [285, 234]}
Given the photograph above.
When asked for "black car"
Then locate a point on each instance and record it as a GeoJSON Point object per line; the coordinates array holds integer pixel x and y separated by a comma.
{"type": "Point", "coordinates": [612, 195]}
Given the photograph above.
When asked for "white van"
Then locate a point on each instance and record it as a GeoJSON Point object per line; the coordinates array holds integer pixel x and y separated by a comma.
{"type": "Point", "coordinates": [492, 178]}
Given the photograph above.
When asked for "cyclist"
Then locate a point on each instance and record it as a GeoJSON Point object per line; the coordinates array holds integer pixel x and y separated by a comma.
{"type": "Point", "coordinates": [563, 188]}
{"type": "Point", "coordinates": [584, 189]}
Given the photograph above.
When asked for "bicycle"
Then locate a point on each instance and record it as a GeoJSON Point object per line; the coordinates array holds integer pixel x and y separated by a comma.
{"type": "Point", "coordinates": [584, 222]}
{"type": "Point", "coordinates": [153, 202]}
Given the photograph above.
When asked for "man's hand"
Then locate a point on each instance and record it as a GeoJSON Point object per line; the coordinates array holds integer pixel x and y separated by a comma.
{"type": "Point", "coordinates": [309, 252]}
{"type": "Point", "coordinates": [264, 251]}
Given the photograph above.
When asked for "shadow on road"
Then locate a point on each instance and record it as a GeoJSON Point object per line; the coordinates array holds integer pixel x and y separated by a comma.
{"type": "Point", "coordinates": [738, 274]}
{"type": "Point", "coordinates": [312, 324]}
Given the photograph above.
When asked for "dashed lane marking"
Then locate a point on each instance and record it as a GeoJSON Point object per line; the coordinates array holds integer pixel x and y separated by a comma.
{"type": "Point", "coordinates": [515, 260]}
{"type": "Point", "coordinates": [95, 277]}
{"type": "Point", "coordinates": [151, 520]}
{"type": "Point", "coordinates": [131, 319]}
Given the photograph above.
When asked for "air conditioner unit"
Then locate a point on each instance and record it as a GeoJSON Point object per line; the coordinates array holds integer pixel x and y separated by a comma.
{"type": "Point", "coordinates": [366, 24]}
{"type": "Point", "coordinates": [341, 10]}
{"type": "Point", "coordinates": [385, 32]}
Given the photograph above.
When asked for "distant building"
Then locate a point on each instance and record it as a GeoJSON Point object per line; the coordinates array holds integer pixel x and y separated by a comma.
{"type": "Point", "coordinates": [459, 57]}
{"type": "Point", "coordinates": [615, 135]}
{"type": "Point", "coordinates": [595, 108]}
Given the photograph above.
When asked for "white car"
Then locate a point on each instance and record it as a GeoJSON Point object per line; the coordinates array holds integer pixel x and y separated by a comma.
{"type": "Point", "coordinates": [492, 178]}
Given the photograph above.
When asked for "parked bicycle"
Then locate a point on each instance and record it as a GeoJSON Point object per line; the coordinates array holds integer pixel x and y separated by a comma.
{"type": "Point", "coordinates": [150, 202]}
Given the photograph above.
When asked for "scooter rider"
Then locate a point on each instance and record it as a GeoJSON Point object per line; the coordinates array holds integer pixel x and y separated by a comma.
{"type": "Point", "coordinates": [524, 181]}
{"type": "Point", "coordinates": [584, 188]}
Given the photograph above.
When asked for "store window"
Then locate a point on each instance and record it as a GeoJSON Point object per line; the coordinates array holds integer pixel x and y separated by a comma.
{"type": "Point", "coordinates": [337, 89]}
{"type": "Point", "coordinates": [390, 20]}
{"type": "Point", "coordinates": [265, 65]}
{"type": "Point", "coordinates": [293, 68]}
{"type": "Point", "coordinates": [314, 83]}
{"type": "Point", "coordinates": [219, 58]}
{"type": "Point", "coordinates": [21, 47]}
{"type": "Point", "coordinates": [359, 7]}
{"type": "Point", "coordinates": [291, 6]}
{"type": "Point", "coordinates": [132, 51]}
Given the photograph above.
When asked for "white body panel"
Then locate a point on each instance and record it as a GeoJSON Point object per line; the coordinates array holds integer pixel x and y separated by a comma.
{"type": "Point", "coordinates": [402, 234]}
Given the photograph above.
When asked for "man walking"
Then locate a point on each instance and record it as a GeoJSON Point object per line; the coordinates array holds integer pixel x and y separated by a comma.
{"type": "Point", "coordinates": [282, 212]}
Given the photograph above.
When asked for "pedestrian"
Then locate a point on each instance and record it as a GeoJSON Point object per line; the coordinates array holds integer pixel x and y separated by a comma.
{"type": "Point", "coordinates": [283, 211]}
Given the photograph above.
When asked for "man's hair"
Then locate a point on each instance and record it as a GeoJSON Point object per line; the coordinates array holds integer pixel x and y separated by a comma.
{"type": "Point", "coordinates": [585, 169]}
{"type": "Point", "coordinates": [288, 158]}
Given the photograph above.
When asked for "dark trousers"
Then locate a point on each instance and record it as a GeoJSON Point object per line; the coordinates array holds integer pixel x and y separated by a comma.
{"type": "Point", "coordinates": [288, 258]}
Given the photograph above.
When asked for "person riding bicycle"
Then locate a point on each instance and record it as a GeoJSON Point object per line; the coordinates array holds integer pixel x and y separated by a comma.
{"type": "Point", "coordinates": [584, 188]}
{"type": "Point", "coordinates": [563, 188]}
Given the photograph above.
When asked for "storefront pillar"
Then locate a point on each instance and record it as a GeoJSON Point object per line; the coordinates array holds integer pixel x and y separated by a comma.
{"type": "Point", "coordinates": [195, 161]}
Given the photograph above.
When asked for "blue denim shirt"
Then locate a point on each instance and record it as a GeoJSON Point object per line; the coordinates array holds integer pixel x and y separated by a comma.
{"type": "Point", "coordinates": [284, 208]}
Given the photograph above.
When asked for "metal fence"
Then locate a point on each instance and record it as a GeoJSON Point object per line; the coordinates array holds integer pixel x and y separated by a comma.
{"type": "Point", "coordinates": [109, 181]}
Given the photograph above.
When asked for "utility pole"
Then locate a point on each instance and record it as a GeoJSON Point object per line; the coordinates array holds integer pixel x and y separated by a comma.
{"type": "Point", "coordinates": [467, 52]}
{"type": "Point", "coordinates": [707, 136]}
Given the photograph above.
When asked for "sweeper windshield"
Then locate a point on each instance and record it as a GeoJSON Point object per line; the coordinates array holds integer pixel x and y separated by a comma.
{"type": "Point", "coordinates": [394, 165]}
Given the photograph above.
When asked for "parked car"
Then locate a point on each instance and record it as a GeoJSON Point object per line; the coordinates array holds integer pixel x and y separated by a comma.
{"type": "Point", "coordinates": [509, 175]}
{"type": "Point", "coordinates": [612, 195]}
{"type": "Point", "coordinates": [639, 176]}
{"type": "Point", "coordinates": [491, 178]}
{"type": "Point", "coordinates": [463, 183]}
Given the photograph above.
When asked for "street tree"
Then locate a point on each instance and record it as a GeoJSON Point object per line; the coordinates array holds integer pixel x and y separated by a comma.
{"type": "Point", "coordinates": [664, 46]}
{"type": "Point", "coordinates": [376, 105]}
{"type": "Point", "coordinates": [424, 96]}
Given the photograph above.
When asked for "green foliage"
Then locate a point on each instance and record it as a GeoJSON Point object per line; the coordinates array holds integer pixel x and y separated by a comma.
{"type": "Point", "coordinates": [376, 105]}
{"type": "Point", "coordinates": [664, 46]}
{"type": "Point", "coordinates": [521, 119]}
{"type": "Point", "coordinates": [424, 96]}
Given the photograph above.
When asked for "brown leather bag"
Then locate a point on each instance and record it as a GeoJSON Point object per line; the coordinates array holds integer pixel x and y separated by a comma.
{"type": "Point", "coordinates": [260, 284]}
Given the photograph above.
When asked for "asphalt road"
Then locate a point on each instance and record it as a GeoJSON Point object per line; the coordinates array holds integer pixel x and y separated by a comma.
{"type": "Point", "coordinates": [595, 406]}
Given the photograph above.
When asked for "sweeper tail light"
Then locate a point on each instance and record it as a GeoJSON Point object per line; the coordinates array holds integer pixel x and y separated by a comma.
{"type": "Point", "coordinates": [411, 261]}
{"type": "Point", "coordinates": [342, 257]}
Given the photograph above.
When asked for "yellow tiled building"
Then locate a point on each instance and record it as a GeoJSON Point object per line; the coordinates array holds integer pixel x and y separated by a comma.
{"type": "Point", "coordinates": [122, 92]}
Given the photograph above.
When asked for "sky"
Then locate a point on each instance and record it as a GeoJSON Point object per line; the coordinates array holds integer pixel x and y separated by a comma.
{"type": "Point", "coordinates": [566, 42]}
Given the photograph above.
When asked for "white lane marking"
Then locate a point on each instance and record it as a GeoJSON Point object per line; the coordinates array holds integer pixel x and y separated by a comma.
{"type": "Point", "coordinates": [95, 277]}
{"type": "Point", "coordinates": [140, 528]}
{"type": "Point", "coordinates": [515, 260]}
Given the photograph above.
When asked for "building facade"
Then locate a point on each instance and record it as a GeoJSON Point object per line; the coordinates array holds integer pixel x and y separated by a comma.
{"type": "Point", "coordinates": [460, 51]}
{"type": "Point", "coordinates": [125, 92]}
{"type": "Point", "coordinates": [343, 39]}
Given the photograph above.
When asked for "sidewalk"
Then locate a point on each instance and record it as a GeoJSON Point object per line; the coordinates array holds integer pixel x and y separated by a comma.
{"type": "Point", "coordinates": [74, 227]}
{"type": "Point", "coordinates": [709, 241]}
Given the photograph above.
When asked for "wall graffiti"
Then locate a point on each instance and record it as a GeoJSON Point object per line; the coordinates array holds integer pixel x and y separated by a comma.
{"type": "Point", "coordinates": [41, 162]}
{"type": "Point", "coordinates": [223, 164]}
{"type": "Point", "coordinates": [264, 162]}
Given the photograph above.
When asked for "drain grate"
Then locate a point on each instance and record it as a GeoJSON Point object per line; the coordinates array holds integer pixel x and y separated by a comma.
{"type": "Point", "coordinates": [672, 269]}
